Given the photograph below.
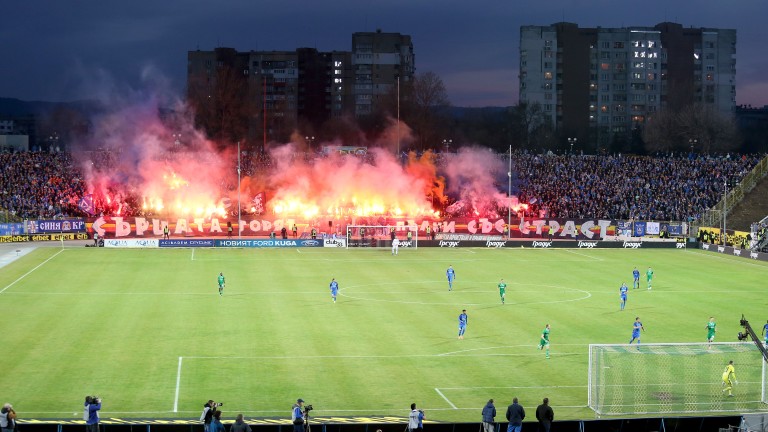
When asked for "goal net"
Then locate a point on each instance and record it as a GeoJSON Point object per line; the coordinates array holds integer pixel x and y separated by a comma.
{"type": "Point", "coordinates": [675, 378]}
{"type": "Point", "coordinates": [379, 236]}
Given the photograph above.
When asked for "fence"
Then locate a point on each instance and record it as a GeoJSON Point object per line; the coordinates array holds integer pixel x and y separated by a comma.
{"type": "Point", "coordinates": [714, 216]}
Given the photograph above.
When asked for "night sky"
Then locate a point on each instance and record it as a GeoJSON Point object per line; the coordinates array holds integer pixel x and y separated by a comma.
{"type": "Point", "coordinates": [73, 50]}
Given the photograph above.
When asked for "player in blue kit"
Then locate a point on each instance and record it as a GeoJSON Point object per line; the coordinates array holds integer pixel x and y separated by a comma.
{"type": "Point", "coordinates": [623, 295]}
{"type": "Point", "coordinates": [636, 278]}
{"type": "Point", "coordinates": [451, 274]}
{"type": "Point", "coordinates": [462, 323]}
{"type": "Point", "coordinates": [636, 327]}
{"type": "Point", "coordinates": [334, 289]}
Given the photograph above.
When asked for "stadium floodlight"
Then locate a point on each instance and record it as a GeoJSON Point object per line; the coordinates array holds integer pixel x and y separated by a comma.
{"type": "Point", "coordinates": [378, 236]}
{"type": "Point", "coordinates": [683, 378]}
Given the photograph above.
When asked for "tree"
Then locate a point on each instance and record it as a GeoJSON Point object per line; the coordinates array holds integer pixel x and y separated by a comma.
{"type": "Point", "coordinates": [221, 104]}
{"type": "Point", "coordinates": [675, 130]}
{"type": "Point", "coordinates": [423, 104]}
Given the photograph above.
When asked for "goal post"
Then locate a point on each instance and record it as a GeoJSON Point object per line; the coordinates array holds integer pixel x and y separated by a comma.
{"type": "Point", "coordinates": [684, 378]}
{"type": "Point", "coordinates": [379, 236]}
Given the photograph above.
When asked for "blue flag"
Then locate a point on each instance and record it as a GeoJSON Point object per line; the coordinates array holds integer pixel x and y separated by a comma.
{"type": "Point", "coordinates": [86, 204]}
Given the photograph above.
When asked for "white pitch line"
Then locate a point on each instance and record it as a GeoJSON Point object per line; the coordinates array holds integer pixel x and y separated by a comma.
{"type": "Point", "coordinates": [470, 251]}
{"type": "Point", "coordinates": [584, 255]}
{"type": "Point", "coordinates": [298, 250]}
{"type": "Point", "coordinates": [446, 399]}
{"type": "Point", "coordinates": [193, 254]}
{"type": "Point", "coordinates": [27, 273]}
{"type": "Point", "coordinates": [178, 385]}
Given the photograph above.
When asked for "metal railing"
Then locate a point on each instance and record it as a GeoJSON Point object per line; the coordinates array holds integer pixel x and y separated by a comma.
{"type": "Point", "coordinates": [713, 217]}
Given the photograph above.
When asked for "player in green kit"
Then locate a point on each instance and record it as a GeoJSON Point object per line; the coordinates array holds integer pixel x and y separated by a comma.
{"type": "Point", "coordinates": [221, 284]}
{"type": "Point", "coordinates": [544, 341]}
{"type": "Point", "coordinates": [502, 290]}
{"type": "Point", "coordinates": [711, 331]}
{"type": "Point", "coordinates": [649, 277]}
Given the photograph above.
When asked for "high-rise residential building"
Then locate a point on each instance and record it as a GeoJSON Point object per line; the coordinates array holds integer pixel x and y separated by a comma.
{"type": "Point", "coordinates": [599, 84]}
{"type": "Point", "coordinates": [277, 92]}
{"type": "Point", "coordinates": [381, 61]}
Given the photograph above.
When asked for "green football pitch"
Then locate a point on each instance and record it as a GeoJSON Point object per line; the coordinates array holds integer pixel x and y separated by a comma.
{"type": "Point", "coordinates": [148, 332]}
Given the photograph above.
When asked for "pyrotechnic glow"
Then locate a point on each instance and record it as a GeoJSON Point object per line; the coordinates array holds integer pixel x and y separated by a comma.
{"type": "Point", "coordinates": [146, 171]}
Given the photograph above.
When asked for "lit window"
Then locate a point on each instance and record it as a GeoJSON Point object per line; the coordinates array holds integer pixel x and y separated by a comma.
{"type": "Point", "coordinates": [605, 66]}
{"type": "Point", "coordinates": [548, 75]}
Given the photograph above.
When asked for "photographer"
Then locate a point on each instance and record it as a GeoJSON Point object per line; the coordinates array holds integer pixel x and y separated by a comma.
{"type": "Point", "coordinates": [297, 416]}
{"type": "Point", "coordinates": [207, 416]}
{"type": "Point", "coordinates": [7, 418]}
{"type": "Point", "coordinates": [91, 409]}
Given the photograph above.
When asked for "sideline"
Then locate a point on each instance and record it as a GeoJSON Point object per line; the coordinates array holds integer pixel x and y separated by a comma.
{"type": "Point", "coordinates": [29, 272]}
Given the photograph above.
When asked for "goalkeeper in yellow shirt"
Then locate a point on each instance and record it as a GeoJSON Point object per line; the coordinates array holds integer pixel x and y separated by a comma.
{"type": "Point", "coordinates": [729, 378]}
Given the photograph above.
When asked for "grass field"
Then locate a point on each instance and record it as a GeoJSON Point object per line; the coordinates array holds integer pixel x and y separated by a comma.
{"type": "Point", "coordinates": [148, 332]}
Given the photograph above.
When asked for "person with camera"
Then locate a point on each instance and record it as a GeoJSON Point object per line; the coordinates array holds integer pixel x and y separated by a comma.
{"type": "Point", "coordinates": [415, 419]}
{"type": "Point", "coordinates": [297, 416]}
{"type": "Point", "coordinates": [207, 416]}
{"type": "Point", "coordinates": [91, 409]}
{"type": "Point", "coordinates": [7, 418]}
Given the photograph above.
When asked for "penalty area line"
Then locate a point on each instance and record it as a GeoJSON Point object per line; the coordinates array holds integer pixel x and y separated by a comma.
{"type": "Point", "coordinates": [446, 399]}
{"type": "Point", "coordinates": [178, 385]}
{"type": "Point", "coordinates": [29, 272]}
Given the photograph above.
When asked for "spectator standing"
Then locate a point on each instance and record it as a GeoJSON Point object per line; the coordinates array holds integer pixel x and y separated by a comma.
{"type": "Point", "coordinates": [545, 416]}
{"type": "Point", "coordinates": [515, 416]}
{"type": "Point", "coordinates": [216, 425]}
{"type": "Point", "coordinates": [415, 419]}
{"type": "Point", "coordinates": [240, 425]}
{"type": "Point", "coordinates": [489, 417]}
{"type": "Point", "coordinates": [7, 418]}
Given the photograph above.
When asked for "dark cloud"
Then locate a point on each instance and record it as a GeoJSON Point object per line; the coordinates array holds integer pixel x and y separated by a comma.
{"type": "Point", "coordinates": [51, 50]}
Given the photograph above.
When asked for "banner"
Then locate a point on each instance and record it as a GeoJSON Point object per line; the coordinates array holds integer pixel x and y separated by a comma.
{"type": "Point", "coordinates": [42, 237]}
{"type": "Point", "coordinates": [638, 229]}
{"type": "Point", "coordinates": [131, 243]}
{"type": "Point", "coordinates": [248, 243]}
{"type": "Point", "coordinates": [263, 226]}
{"type": "Point", "coordinates": [335, 243]}
{"type": "Point", "coordinates": [55, 226]}
{"type": "Point", "coordinates": [652, 228]}
{"type": "Point", "coordinates": [624, 228]}
{"type": "Point", "coordinates": [9, 229]}
{"type": "Point", "coordinates": [186, 243]}
{"type": "Point", "coordinates": [727, 250]}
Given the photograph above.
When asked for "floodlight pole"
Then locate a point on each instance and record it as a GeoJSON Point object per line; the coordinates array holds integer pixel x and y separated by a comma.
{"type": "Point", "coordinates": [509, 194]}
{"type": "Point", "coordinates": [238, 191]}
{"type": "Point", "coordinates": [398, 116]}
{"type": "Point", "coordinates": [725, 210]}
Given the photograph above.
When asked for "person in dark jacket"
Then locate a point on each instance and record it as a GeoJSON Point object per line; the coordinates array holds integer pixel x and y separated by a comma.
{"type": "Point", "coordinates": [489, 415]}
{"type": "Point", "coordinates": [216, 424]}
{"type": "Point", "coordinates": [240, 425]}
{"type": "Point", "coordinates": [545, 415]}
{"type": "Point", "coordinates": [515, 416]}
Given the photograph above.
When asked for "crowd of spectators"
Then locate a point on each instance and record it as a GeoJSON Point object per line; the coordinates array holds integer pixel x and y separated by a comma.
{"type": "Point", "coordinates": [626, 187]}
{"type": "Point", "coordinates": [667, 187]}
{"type": "Point", "coordinates": [39, 185]}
